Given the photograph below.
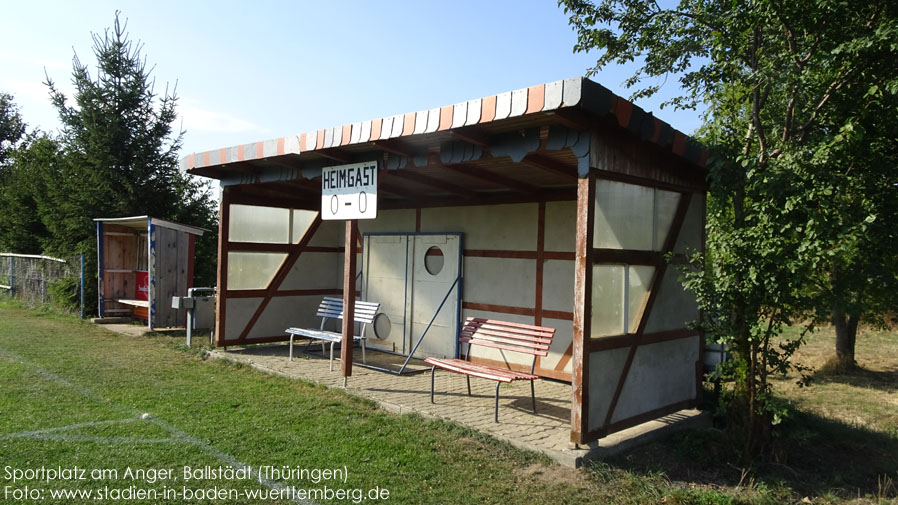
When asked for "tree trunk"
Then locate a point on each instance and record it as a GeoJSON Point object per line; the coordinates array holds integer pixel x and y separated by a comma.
{"type": "Point", "coordinates": [846, 335]}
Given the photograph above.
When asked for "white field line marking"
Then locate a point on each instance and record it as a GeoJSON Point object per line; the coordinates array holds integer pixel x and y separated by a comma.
{"type": "Point", "coordinates": [180, 436]}
{"type": "Point", "coordinates": [70, 427]}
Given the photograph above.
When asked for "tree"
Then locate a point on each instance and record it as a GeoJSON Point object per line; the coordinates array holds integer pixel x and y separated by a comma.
{"type": "Point", "coordinates": [12, 128]}
{"type": "Point", "coordinates": [22, 184]}
{"type": "Point", "coordinates": [794, 91]}
{"type": "Point", "coordinates": [121, 152]}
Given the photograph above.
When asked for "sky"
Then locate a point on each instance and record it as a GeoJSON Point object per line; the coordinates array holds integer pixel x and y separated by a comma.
{"type": "Point", "coordinates": [254, 70]}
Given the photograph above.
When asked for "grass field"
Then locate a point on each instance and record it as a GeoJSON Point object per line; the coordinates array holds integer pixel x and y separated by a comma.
{"type": "Point", "coordinates": [74, 394]}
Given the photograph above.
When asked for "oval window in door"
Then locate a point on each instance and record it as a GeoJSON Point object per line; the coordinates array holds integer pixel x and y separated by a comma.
{"type": "Point", "coordinates": [382, 326]}
{"type": "Point", "coordinates": [433, 260]}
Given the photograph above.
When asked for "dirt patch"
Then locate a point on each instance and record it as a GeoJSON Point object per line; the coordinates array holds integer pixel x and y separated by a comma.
{"type": "Point", "coordinates": [555, 474]}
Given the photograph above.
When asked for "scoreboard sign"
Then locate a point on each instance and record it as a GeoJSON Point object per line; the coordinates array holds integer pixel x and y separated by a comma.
{"type": "Point", "coordinates": [349, 191]}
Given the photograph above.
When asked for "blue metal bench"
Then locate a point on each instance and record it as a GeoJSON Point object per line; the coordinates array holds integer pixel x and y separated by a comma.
{"type": "Point", "coordinates": [332, 308]}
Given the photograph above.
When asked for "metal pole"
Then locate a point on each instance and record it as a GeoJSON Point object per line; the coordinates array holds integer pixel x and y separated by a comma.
{"type": "Point", "coordinates": [82, 285]}
{"type": "Point", "coordinates": [409, 358]}
{"type": "Point", "coordinates": [12, 277]}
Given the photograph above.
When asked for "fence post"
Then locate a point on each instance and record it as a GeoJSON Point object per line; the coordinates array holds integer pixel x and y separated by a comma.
{"type": "Point", "coordinates": [12, 277]}
{"type": "Point", "coordinates": [82, 285]}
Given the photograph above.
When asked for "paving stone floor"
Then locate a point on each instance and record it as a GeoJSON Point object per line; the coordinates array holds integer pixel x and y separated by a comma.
{"type": "Point", "coordinates": [547, 431]}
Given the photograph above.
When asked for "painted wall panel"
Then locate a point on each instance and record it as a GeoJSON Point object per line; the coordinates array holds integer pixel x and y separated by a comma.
{"type": "Point", "coordinates": [389, 221]}
{"type": "Point", "coordinates": [237, 314]}
{"type": "Point", "coordinates": [500, 281]}
{"type": "Point", "coordinates": [604, 370]}
{"type": "Point", "coordinates": [251, 223]}
{"type": "Point", "coordinates": [558, 285]}
{"type": "Point", "coordinates": [487, 227]}
{"type": "Point", "coordinates": [252, 270]}
{"type": "Point", "coordinates": [284, 312]}
{"type": "Point", "coordinates": [564, 334]}
{"type": "Point", "coordinates": [561, 226]}
{"type": "Point", "coordinates": [329, 234]}
{"type": "Point", "coordinates": [315, 271]}
{"type": "Point", "coordinates": [661, 374]}
{"type": "Point", "coordinates": [690, 238]}
{"type": "Point", "coordinates": [623, 218]}
{"type": "Point", "coordinates": [674, 306]}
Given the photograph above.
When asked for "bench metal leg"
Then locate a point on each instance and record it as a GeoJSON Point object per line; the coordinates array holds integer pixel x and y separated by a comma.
{"type": "Point", "coordinates": [332, 354]}
{"type": "Point", "coordinates": [291, 347]}
{"type": "Point", "coordinates": [497, 400]}
{"type": "Point", "coordinates": [533, 396]}
{"type": "Point", "coordinates": [468, 377]}
{"type": "Point", "coordinates": [433, 371]}
{"type": "Point", "coordinates": [364, 361]}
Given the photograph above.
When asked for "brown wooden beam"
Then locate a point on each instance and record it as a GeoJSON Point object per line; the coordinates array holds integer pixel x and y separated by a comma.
{"type": "Point", "coordinates": [426, 180]}
{"type": "Point", "coordinates": [537, 161]}
{"type": "Point", "coordinates": [471, 135]}
{"type": "Point", "coordinates": [501, 309]}
{"type": "Point", "coordinates": [394, 146]}
{"type": "Point", "coordinates": [390, 187]}
{"type": "Point", "coordinates": [224, 222]}
{"type": "Point", "coordinates": [586, 188]}
{"type": "Point", "coordinates": [261, 293]}
{"type": "Point", "coordinates": [627, 256]}
{"type": "Point", "coordinates": [424, 202]}
{"type": "Point", "coordinates": [335, 154]}
{"type": "Point", "coordinates": [485, 175]}
{"type": "Point", "coordinates": [349, 270]}
{"type": "Point", "coordinates": [572, 118]}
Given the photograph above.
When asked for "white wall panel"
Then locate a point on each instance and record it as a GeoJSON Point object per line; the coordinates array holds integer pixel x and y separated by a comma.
{"type": "Point", "coordinates": [690, 238]}
{"type": "Point", "coordinates": [558, 285]}
{"type": "Point", "coordinates": [285, 312]}
{"type": "Point", "coordinates": [315, 271]}
{"type": "Point", "coordinates": [561, 226]}
{"type": "Point", "coordinates": [564, 334]}
{"type": "Point", "coordinates": [510, 226]}
{"type": "Point", "coordinates": [661, 374]}
{"type": "Point", "coordinates": [500, 281]}
{"type": "Point", "coordinates": [237, 314]}
{"type": "Point", "coordinates": [604, 370]}
{"type": "Point", "coordinates": [674, 307]}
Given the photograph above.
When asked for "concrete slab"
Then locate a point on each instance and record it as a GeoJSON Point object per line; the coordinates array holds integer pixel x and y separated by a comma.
{"type": "Point", "coordinates": [131, 330]}
{"type": "Point", "coordinates": [547, 431]}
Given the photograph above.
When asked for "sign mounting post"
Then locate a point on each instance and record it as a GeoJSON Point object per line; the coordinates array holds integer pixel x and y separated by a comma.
{"type": "Point", "coordinates": [349, 193]}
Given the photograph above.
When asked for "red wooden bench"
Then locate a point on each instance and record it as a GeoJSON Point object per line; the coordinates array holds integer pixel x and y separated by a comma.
{"type": "Point", "coordinates": [514, 337]}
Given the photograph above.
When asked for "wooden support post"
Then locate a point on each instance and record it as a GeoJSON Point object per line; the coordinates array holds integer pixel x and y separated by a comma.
{"type": "Point", "coordinates": [349, 271]}
{"type": "Point", "coordinates": [224, 225]}
{"type": "Point", "coordinates": [582, 308]}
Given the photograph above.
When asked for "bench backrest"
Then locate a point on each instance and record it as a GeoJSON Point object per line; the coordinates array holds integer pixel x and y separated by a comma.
{"type": "Point", "coordinates": [507, 336]}
{"type": "Point", "coordinates": [332, 307]}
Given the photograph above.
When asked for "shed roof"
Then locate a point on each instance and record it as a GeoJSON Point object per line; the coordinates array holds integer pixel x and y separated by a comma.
{"type": "Point", "coordinates": [143, 222]}
{"type": "Point", "coordinates": [528, 144]}
{"type": "Point", "coordinates": [513, 109]}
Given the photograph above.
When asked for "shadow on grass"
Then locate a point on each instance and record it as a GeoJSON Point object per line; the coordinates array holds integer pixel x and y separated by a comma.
{"type": "Point", "coordinates": [860, 377]}
{"type": "Point", "coordinates": [810, 455]}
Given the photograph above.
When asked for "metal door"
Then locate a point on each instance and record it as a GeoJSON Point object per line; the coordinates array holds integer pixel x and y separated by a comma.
{"type": "Point", "coordinates": [417, 280]}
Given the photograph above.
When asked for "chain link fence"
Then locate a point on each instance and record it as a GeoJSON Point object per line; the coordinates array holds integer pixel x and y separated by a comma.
{"type": "Point", "coordinates": [41, 280]}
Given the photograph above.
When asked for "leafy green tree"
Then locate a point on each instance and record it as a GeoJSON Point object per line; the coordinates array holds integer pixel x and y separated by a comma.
{"type": "Point", "coordinates": [12, 128]}
{"type": "Point", "coordinates": [796, 94]}
{"type": "Point", "coordinates": [22, 184]}
{"type": "Point", "coordinates": [121, 153]}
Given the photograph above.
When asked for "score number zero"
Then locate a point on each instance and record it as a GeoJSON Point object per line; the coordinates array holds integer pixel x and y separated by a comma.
{"type": "Point", "coordinates": [363, 203]}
